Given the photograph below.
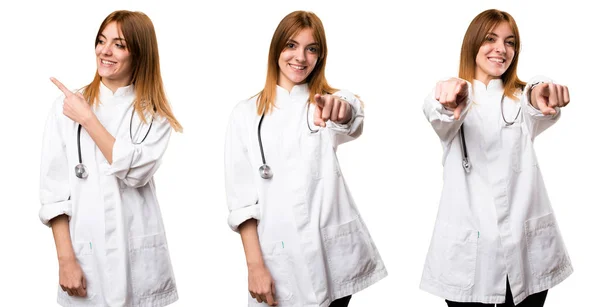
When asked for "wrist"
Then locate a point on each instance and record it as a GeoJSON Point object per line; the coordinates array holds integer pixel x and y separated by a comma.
{"type": "Point", "coordinates": [89, 120]}
{"type": "Point", "coordinates": [255, 265]}
{"type": "Point", "coordinates": [529, 96]}
{"type": "Point", "coordinates": [66, 259]}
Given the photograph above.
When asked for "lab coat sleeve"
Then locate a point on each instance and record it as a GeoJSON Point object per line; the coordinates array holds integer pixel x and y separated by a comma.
{"type": "Point", "coordinates": [134, 163]}
{"type": "Point", "coordinates": [55, 191]}
{"type": "Point", "coordinates": [240, 185]}
{"type": "Point", "coordinates": [533, 118]}
{"type": "Point", "coordinates": [351, 130]}
{"type": "Point", "coordinates": [442, 120]}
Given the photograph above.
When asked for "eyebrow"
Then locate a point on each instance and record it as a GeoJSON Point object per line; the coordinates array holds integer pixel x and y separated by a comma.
{"type": "Point", "coordinates": [115, 39]}
{"type": "Point", "coordinates": [496, 35]}
{"type": "Point", "coordinates": [295, 42]}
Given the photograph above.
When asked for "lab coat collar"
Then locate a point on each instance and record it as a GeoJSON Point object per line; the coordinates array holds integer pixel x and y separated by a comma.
{"type": "Point", "coordinates": [120, 92]}
{"type": "Point", "coordinates": [299, 90]}
{"type": "Point", "coordinates": [493, 85]}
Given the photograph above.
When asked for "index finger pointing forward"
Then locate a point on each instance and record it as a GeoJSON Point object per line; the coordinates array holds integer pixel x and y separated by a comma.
{"type": "Point", "coordinates": [61, 87]}
{"type": "Point", "coordinates": [319, 100]}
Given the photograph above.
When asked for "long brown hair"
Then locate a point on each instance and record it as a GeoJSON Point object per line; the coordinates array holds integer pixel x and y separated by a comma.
{"type": "Point", "coordinates": [141, 42]}
{"type": "Point", "coordinates": [289, 26]}
{"type": "Point", "coordinates": [475, 36]}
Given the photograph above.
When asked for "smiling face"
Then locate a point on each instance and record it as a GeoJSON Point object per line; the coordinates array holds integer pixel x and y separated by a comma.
{"type": "Point", "coordinates": [298, 59]}
{"type": "Point", "coordinates": [495, 54]}
{"type": "Point", "coordinates": [113, 58]}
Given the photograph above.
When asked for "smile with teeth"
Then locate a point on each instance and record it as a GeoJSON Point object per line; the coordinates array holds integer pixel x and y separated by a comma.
{"type": "Point", "coordinates": [497, 60]}
{"type": "Point", "coordinates": [108, 62]}
{"type": "Point", "coordinates": [297, 67]}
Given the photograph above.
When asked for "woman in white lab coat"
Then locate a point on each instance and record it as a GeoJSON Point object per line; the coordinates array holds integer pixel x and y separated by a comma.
{"type": "Point", "coordinates": [107, 226]}
{"type": "Point", "coordinates": [496, 239]}
{"type": "Point", "coordinates": [304, 240]}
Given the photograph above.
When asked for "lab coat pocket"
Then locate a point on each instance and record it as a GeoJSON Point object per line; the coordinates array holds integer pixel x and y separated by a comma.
{"type": "Point", "coordinates": [280, 265]}
{"type": "Point", "coordinates": [151, 271]}
{"type": "Point", "coordinates": [350, 251]}
{"type": "Point", "coordinates": [545, 248]}
{"type": "Point", "coordinates": [85, 258]}
{"type": "Point", "coordinates": [452, 257]}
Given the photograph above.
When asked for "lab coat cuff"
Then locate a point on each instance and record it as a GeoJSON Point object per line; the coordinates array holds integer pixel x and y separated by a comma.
{"type": "Point", "coordinates": [50, 211]}
{"type": "Point", "coordinates": [356, 112]}
{"type": "Point", "coordinates": [123, 158]}
{"type": "Point", "coordinates": [240, 215]}
{"type": "Point", "coordinates": [529, 108]}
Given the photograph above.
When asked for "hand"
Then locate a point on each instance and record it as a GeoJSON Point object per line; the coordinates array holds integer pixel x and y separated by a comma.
{"type": "Point", "coordinates": [546, 96]}
{"type": "Point", "coordinates": [74, 107]}
{"type": "Point", "coordinates": [261, 285]}
{"type": "Point", "coordinates": [331, 107]}
{"type": "Point", "coordinates": [452, 94]}
{"type": "Point", "coordinates": [71, 278]}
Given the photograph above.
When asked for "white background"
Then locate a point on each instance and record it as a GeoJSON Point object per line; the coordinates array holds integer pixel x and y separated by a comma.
{"type": "Point", "coordinates": [213, 54]}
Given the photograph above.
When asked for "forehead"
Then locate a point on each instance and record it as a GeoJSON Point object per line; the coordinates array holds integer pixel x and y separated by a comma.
{"type": "Point", "coordinates": [112, 30]}
{"type": "Point", "coordinates": [304, 35]}
{"type": "Point", "coordinates": [502, 29]}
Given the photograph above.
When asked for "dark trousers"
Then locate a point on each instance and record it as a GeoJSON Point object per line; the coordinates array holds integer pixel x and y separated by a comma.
{"type": "Point", "coordinates": [341, 302]}
{"type": "Point", "coordinates": [534, 300]}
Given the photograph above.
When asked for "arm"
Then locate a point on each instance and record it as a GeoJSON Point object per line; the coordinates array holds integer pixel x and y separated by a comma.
{"type": "Point", "coordinates": [71, 276]}
{"type": "Point", "coordinates": [352, 128]}
{"type": "Point", "coordinates": [135, 164]}
{"type": "Point", "coordinates": [103, 139]}
{"type": "Point", "coordinates": [446, 114]}
{"type": "Point", "coordinates": [260, 282]}
{"type": "Point", "coordinates": [55, 198]}
{"type": "Point", "coordinates": [242, 202]}
{"type": "Point", "coordinates": [532, 102]}
{"type": "Point", "coordinates": [240, 186]}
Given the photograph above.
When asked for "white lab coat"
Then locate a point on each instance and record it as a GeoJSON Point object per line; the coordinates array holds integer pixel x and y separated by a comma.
{"type": "Point", "coordinates": [115, 222]}
{"type": "Point", "coordinates": [495, 222]}
{"type": "Point", "coordinates": [313, 240]}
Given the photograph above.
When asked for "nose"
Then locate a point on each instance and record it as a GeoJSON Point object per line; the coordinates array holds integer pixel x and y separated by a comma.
{"type": "Point", "coordinates": [106, 49]}
{"type": "Point", "coordinates": [300, 55]}
{"type": "Point", "coordinates": [500, 47]}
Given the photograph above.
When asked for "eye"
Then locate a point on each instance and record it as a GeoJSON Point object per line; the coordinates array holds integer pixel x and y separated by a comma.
{"type": "Point", "coordinates": [313, 49]}
{"type": "Point", "coordinates": [100, 41]}
{"type": "Point", "coordinates": [490, 39]}
{"type": "Point", "coordinates": [290, 45]}
{"type": "Point", "coordinates": [511, 43]}
{"type": "Point", "coordinates": [120, 46]}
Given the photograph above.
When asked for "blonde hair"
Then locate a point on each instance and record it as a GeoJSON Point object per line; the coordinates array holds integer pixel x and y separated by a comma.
{"type": "Point", "coordinates": [475, 36]}
{"type": "Point", "coordinates": [141, 42]}
{"type": "Point", "coordinates": [289, 26]}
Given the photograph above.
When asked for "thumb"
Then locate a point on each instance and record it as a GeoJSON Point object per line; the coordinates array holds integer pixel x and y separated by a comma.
{"type": "Point", "coordinates": [458, 110]}
{"type": "Point", "coordinates": [273, 293]}
{"type": "Point", "coordinates": [543, 106]}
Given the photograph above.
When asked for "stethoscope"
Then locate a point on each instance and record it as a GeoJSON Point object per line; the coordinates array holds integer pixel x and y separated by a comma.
{"type": "Point", "coordinates": [466, 163]}
{"type": "Point", "coordinates": [81, 169]}
{"type": "Point", "coordinates": [264, 170]}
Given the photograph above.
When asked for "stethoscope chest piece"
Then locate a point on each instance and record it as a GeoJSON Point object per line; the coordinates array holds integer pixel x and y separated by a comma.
{"type": "Point", "coordinates": [81, 171]}
{"type": "Point", "coordinates": [265, 172]}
